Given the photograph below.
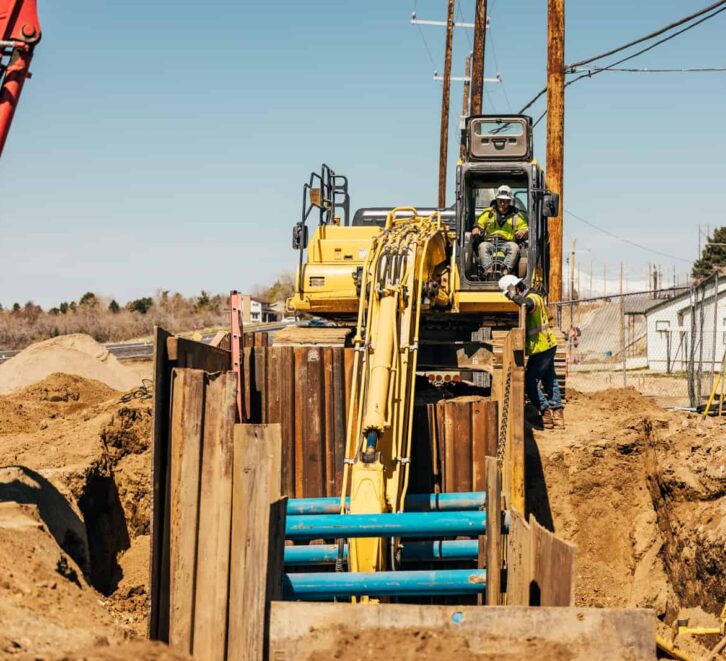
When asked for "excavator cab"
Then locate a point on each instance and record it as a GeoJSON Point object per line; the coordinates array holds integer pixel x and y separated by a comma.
{"type": "Point", "coordinates": [499, 152]}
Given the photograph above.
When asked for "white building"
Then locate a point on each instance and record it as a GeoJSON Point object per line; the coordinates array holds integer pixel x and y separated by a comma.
{"type": "Point", "coordinates": [670, 330]}
{"type": "Point", "coordinates": [255, 311]}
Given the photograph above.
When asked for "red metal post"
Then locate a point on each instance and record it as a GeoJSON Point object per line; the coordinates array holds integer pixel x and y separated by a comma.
{"type": "Point", "coordinates": [235, 299]}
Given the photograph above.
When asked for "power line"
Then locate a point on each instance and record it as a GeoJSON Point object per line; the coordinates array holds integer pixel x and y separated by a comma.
{"type": "Point", "coordinates": [490, 41]}
{"type": "Point", "coordinates": [423, 37]}
{"type": "Point", "coordinates": [652, 46]}
{"type": "Point", "coordinates": [657, 33]}
{"type": "Point", "coordinates": [461, 16]}
{"type": "Point", "coordinates": [648, 70]}
{"type": "Point", "coordinates": [623, 239]}
{"type": "Point", "coordinates": [568, 68]}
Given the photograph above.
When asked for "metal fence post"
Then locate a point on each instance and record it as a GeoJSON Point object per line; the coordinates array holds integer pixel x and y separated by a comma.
{"type": "Point", "coordinates": [715, 331]}
{"type": "Point", "coordinates": [622, 328]}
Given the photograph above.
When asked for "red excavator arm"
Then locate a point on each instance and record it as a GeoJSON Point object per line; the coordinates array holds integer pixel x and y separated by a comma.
{"type": "Point", "coordinates": [19, 33]}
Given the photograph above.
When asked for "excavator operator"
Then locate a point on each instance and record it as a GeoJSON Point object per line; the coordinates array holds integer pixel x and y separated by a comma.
{"type": "Point", "coordinates": [505, 221]}
{"type": "Point", "coordinates": [541, 346]}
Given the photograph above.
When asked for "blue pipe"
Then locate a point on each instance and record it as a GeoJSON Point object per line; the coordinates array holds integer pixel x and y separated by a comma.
{"type": "Point", "coordinates": [327, 554]}
{"type": "Point", "coordinates": [405, 524]}
{"type": "Point", "coordinates": [315, 554]}
{"type": "Point", "coordinates": [460, 549]}
{"type": "Point", "coordinates": [342, 585]}
{"type": "Point", "coordinates": [415, 502]}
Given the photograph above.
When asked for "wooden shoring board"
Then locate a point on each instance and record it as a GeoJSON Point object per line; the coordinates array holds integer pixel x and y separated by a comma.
{"type": "Point", "coordinates": [553, 569]}
{"type": "Point", "coordinates": [261, 385]}
{"type": "Point", "coordinates": [169, 352]}
{"type": "Point", "coordinates": [466, 432]}
{"type": "Point", "coordinates": [299, 378]}
{"type": "Point", "coordinates": [519, 561]}
{"type": "Point", "coordinates": [309, 631]}
{"type": "Point", "coordinates": [312, 421]}
{"type": "Point", "coordinates": [513, 467]}
{"type": "Point", "coordinates": [338, 418]}
{"type": "Point", "coordinates": [494, 532]}
{"type": "Point", "coordinates": [286, 388]}
{"type": "Point", "coordinates": [304, 389]}
{"type": "Point", "coordinates": [256, 562]}
{"type": "Point", "coordinates": [215, 518]}
{"type": "Point", "coordinates": [158, 568]}
{"type": "Point", "coordinates": [197, 355]}
{"type": "Point", "coordinates": [187, 414]}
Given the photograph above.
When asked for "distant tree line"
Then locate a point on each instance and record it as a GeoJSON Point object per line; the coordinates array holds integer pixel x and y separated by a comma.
{"type": "Point", "coordinates": [106, 320]}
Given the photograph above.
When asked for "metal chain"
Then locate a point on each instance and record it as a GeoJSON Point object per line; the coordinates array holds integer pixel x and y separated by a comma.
{"type": "Point", "coordinates": [502, 440]}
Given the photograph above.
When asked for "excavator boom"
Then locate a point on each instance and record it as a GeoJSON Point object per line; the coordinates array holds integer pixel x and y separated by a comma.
{"type": "Point", "coordinates": [408, 267]}
{"type": "Point", "coordinates": [19, 34]}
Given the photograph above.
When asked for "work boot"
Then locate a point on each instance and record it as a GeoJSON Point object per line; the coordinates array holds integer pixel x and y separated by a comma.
{"type": "Point", "coordinates": [558, 416]}
{"type": "Point", "coordinates": [548, 421]}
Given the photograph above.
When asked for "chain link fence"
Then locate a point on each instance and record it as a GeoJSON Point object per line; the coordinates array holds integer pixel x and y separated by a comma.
{"type": "Point", "coordinates": [667, 343]}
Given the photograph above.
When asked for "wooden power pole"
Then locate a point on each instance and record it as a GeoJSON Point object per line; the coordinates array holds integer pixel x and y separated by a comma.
{"type": "Point", "coordinates": [465, 102]}
{"type": "Point", "coordinates": [555, 134]}
{"type": "Point", "coordinates": [444, 144]}
{"type": "Point", "coordinates": [477, 64]}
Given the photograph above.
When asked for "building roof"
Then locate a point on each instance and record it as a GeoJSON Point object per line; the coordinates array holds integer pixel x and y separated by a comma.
{"type": "Point", "coordinates": [683, 300]}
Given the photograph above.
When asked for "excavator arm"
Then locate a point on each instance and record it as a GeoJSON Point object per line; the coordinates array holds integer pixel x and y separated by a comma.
{"type": "Point", "coordinates": [19, 34]}
{"type": "Point", "coordinates": [408, 267]}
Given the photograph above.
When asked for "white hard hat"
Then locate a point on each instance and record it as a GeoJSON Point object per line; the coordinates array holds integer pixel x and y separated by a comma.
{"type": "Point", "coordinates": [505, 282]}
{"type": "Point", "coordinates": [504, 193]}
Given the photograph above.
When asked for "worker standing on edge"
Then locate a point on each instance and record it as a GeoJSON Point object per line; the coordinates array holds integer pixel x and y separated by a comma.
{"type": "Point", "coordinates": [541, 347]}
{"type": "Point", "coordinates": [505, 221]}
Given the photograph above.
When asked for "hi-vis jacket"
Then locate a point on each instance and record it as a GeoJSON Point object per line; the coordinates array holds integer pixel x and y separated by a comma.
{"type": "Point", "coordinates": [514, 221]}
{"type": "Point", "coordinates": [539, 334]}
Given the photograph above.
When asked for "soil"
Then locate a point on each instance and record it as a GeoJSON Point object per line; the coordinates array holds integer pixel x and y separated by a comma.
{"type": "Point", "coordinates": [71, 354]}
{"type": "Point", "coordinates": [74, 521]}
{"type": "Point", "coordinates": [640, 491]}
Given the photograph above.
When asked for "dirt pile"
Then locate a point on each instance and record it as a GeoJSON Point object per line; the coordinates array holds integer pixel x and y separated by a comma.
{"type": "Point", "coordinates": [642, 493]}
{"type": "Point", "coordinates": [71, 354]}
{"type": "Point", "coordinates": [79, 458]}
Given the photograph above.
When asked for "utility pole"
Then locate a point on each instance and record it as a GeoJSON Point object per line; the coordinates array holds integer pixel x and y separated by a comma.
{"type": "Point", "coordinates": [589, 295]}
{"type": "Point", "coordinates": [465, 102]}
{"type": "Point", "coordinates": [477, 65]}
{"type": "Point", "coordinates": [572, 271]}
{"type": "Point", "coordinates": [444, 145]}
{"type": "Point", "coordinates": [604, 281]}
{"type": "Point", "coordinates": [555, 134]}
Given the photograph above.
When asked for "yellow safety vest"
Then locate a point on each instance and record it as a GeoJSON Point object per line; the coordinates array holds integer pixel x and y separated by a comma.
{"type": "Point", "coordinates": [539, 334]}
{"type": "Point", "coordinates": [514, 223]}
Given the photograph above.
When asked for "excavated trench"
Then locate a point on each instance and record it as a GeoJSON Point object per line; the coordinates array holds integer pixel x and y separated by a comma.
{"type": "Point", "coordinates": [685, 477]}
{"type": "Point", "coordinates": [106, 528]}
{"type": "Point", "coordinates": [642, 493]}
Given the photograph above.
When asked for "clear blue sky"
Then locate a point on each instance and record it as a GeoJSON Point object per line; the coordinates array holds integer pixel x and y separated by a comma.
{"type": "Point", "coordinates": [164, 145]}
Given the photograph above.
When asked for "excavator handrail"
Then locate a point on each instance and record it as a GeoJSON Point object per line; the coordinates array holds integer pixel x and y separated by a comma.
{"type": "Point", "coordinates": [391, 218]}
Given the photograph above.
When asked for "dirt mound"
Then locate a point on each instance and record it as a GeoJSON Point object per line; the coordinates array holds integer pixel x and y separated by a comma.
{"type": "Point", "coordinates": [56, 396]}
{"type": "Point", "coordinates": [642, 493]}
{"type": "Point", "coordinates": [71, 354]}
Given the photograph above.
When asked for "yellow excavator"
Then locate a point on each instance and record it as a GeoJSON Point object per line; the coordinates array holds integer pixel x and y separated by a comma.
{"type": "Point", "coordinates": [410, 282]}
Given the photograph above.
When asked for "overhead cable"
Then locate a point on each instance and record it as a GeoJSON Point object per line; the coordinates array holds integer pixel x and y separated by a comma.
{"type": "Point", "coordinates": [569, 67]}
{"type": "Point", "coordinates": [628, 241]}
{"type": "Point", "coordinates": [649, 70]}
